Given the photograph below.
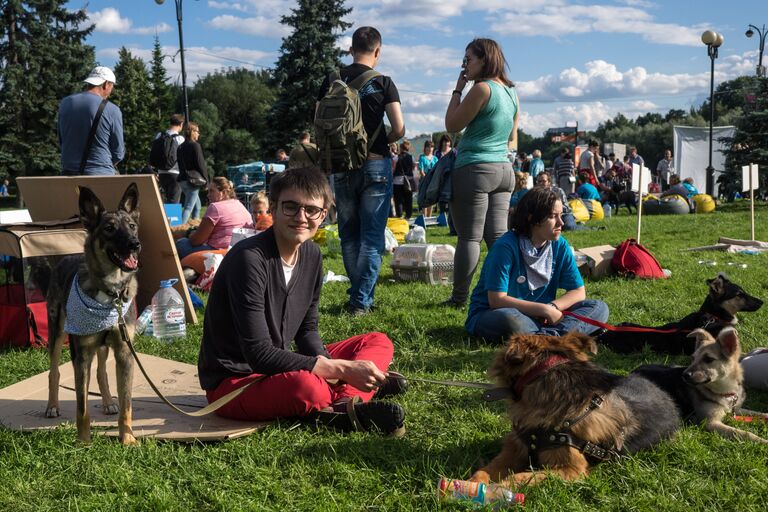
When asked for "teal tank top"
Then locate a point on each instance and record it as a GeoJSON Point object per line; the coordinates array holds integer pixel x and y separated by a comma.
{"type": "Point", "coordinates": [485, 138]}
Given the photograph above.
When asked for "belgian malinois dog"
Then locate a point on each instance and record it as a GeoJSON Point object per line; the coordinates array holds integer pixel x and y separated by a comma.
{"type": "Point", "coordinates": [568, 413]}
{"type": "Point", "coordinates": [103, 277]}
{"type": "Point", "coordinates": [711, 387]}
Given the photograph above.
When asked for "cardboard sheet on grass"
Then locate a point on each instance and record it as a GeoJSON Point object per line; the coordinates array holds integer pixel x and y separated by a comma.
{"type": "Point", "coordinates": [55, 198]}
{"type": "Point", "coordinates": [598, 260]}
{"type": "Point", "coordinates": [22, 405]}
{"type": "Point", "coordinates": [734, 245]}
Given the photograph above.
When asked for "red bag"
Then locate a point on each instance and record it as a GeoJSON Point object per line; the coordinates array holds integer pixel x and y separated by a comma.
{"type": "Point", "coordinates": [633, 260]}
{"type": "Point", "coordinates": [21, 324]}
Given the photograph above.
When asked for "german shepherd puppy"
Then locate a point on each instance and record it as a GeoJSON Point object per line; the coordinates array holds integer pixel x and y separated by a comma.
{"type": "Point", "coordinates": [105, 273]}
{"type": "Point", "coordinates": [711, 387]}
{"type": "Point", "coordinates": [724, 300]}
{"type": "Point", "coordinates": [568, 413]}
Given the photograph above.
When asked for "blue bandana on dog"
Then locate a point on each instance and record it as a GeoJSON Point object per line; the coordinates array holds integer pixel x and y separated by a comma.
{"type": "Point", "coordinates": [86, 315]}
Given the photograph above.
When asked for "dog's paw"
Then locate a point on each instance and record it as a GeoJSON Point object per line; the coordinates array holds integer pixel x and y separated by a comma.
{"type": "Point", "coordinates": [480, 476]}
{"type": "Point", "coordinates": [110, 408]}
{"type": "Point", "coordinates": [52, 412]}
{"type": "Point", "coordinates": [128, 440]}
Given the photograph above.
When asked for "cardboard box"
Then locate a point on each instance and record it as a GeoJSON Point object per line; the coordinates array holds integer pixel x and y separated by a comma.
{"type": "Point", "coordinates": [596, 261]}
{"type": "Point", "coordinates": [22, 405]}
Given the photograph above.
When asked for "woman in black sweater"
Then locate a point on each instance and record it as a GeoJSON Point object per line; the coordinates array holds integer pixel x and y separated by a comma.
{"type": "Point", "coordinates": [193, 173]}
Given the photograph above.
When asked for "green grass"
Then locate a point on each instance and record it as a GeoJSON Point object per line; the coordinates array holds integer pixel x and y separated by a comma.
{"type": "Point", "coordinates": [450, 431]}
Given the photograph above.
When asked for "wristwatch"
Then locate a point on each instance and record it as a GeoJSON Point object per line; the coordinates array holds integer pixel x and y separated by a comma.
{"type": "Point", "coordinates": [456, 91]}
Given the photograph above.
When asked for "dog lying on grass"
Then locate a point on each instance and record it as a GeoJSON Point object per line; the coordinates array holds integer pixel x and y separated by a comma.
{"type": "Point", "coordinates": [105, 274]}
{"type": "Point", "coordinates": [711, 387]}
{"type": "Point", "coordinates": [724, 300]}
{"type": "Point", "coordinates": [568, 413]}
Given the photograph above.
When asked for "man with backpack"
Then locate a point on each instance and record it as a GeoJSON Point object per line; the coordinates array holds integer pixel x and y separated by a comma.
{"type": "Point", "coordinates": [349, 125]}
{"type": "Point", "coordinates": [164, 158]}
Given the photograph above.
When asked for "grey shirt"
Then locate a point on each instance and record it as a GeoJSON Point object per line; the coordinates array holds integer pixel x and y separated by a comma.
{"type": "Point", "coordinates": [76, 114]}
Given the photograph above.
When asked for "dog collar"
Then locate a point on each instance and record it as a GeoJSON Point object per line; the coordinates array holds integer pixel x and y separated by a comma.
{"type": "Point", "coordinates": [536, 372]}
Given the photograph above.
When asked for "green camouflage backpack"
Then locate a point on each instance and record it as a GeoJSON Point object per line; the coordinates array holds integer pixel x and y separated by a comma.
{"type": "Point", "coordinates": [341, 138]}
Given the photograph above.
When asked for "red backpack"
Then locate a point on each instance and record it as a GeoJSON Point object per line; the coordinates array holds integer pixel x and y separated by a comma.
{"type": "Point", "coordinates": [633, 260]}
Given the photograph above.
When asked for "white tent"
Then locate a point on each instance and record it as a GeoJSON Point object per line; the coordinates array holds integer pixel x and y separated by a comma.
{"type": "Point", "coordinates": [691, 152]}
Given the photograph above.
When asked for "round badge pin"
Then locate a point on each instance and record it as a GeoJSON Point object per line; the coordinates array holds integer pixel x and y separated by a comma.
{"type": "Point", "coordinates": [521, 279]}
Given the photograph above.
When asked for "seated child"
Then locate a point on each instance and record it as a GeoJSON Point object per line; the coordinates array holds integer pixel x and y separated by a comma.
{"type": "Point", "coordinates": [262, 219]}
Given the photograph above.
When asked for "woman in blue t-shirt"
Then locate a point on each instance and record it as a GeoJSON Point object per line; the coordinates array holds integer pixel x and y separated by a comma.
{"type": "Point", "coordinates": [523, 272]}
{"type": "Point", "coordinates": [427, 161]}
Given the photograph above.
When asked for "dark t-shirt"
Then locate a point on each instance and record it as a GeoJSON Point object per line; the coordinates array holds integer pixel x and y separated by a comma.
{"type": "Point", "coordinates": [252, 316]}
{"type": "Point", "coordinates": [374, 96]}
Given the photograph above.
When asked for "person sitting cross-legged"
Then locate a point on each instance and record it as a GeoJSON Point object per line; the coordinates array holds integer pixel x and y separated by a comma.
{"type": "Point", "coordinates": [264, 297]}
{"type": "Point", "coordinates": [522, 273]}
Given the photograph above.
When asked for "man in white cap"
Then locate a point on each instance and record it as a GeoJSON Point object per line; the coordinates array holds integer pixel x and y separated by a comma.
{"type": "Point", "coordinates": [91, 128]}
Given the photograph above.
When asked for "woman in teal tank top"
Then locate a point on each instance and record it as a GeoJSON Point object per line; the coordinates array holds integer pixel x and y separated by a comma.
{"type": "Point", "coordinates": [482, 178]}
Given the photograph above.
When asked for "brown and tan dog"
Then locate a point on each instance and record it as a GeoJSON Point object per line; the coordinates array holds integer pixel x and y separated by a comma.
{"type": "Point", "coordinates": [105, 274]}
{"type": "Point", "coordinates": [568, 413]}
{"type": "Point", "coordinates": [711, 387]}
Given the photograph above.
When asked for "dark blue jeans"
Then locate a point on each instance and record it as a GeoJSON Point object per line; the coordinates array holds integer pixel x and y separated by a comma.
{"type": "Point", "coordinates": [497, 324]}
{"type": "Point", "coordinates": [362, 208]}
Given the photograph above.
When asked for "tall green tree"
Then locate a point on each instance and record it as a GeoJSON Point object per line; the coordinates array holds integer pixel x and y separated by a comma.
{"type": "Point", "coordinates": [307, 57]}
{"type": "Point", "coordinates": [163, 94]}
{"type": "Point", "coordinates": [42, 59]}
{"type": "Point", "coordinates": [134, 95]}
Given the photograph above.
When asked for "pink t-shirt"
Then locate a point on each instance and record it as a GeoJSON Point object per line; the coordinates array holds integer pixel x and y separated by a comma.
{"type": "Point", "coordinates": [226, 215]}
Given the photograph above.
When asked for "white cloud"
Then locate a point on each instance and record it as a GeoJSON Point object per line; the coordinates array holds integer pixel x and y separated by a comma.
{"type": "Point", "coordinates": [110, 21]}
{"type": "Point", "coordinates": [232, 6]}
{"type": "Point", "coordinates": [254, 26]}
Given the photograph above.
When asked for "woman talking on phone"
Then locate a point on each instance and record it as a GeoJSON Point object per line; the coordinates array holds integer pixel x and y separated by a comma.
{"type": "Point", "coordinates": [482, 175]}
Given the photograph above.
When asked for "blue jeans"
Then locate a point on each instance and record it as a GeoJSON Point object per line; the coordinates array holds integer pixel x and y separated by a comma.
{"type": "Point", "coordinates": [362, 204]}
{"type": "Point", "coordinates": [496, 324]}
{"type": "Point", "coordinates": [192, 205]}
{"type": "Point", "coordinates": [184, 247]}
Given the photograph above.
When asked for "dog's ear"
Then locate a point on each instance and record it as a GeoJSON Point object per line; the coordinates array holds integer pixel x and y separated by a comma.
{"type": "Point", "coordinates": [728, 340]}
{"type": "Point", "coordinates": [716, 285]}
{"type": "Point", "coordinates": [91, 208]}
{"type": "Point", "coordinates": [129, 203]}
{"type": "Point", "coordinates": [700, 335]}
{"type": "Point", "coordinates": [581, 342]}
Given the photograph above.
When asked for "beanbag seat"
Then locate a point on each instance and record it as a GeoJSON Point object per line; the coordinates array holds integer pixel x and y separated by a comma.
{"type": "Point", "coordinates": [669, 205]}
{"type": "Point", "coordinates": [705, 203]}
{"type": "Point", "coordinates": [399, 228]}
{"type": "Point", "coordinates": [196, 260]}
{"type": "Point", "coordinates": [596, 211]}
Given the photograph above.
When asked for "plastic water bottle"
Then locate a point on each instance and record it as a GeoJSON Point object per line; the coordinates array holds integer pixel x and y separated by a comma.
{"type": "Point", "coordinates": [478, 494]}
{"type": "Point", "coordinates": [168, 319]}
{"type": "Point", "coordinates": [144, 320]}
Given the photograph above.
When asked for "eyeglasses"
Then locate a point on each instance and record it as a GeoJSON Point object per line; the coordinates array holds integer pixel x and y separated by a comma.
{"type": "Point", "coordinates": [291, 209]}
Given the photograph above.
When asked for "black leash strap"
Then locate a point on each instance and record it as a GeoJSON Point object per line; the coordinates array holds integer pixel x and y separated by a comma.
{"type": "Point", "coordinates": [491, 394]}
{"type": "Point", "coordinates": [92, 135]}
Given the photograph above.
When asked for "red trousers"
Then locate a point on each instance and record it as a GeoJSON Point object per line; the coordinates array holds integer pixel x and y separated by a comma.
{"type": "Point", "coordinates": [299, 393]}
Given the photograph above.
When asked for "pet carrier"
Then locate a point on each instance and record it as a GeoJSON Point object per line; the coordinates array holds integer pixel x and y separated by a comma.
{"type": "Point", "coordinates": [428, 263]}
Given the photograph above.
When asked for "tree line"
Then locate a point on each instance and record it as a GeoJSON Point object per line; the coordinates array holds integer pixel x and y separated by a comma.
{"type": "Point", "coordinates": [246, 115]}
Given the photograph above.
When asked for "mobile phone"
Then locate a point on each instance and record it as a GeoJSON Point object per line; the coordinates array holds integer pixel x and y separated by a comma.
{"type": "Point", "coordinates": [464, 63]}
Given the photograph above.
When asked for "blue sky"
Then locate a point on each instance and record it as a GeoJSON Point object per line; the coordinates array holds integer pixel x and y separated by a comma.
{"type": "Point", "coordinates": [579, 61]}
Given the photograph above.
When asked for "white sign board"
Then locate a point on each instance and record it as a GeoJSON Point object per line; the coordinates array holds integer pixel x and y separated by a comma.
{"type": "Point", "coordinates": [746, 183]}
{"type": "Point", "coordinates": [636, 178]}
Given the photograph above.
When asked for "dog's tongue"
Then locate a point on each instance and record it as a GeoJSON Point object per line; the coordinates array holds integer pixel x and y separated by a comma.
{"type": "Point", "coordinates": [131, 262]}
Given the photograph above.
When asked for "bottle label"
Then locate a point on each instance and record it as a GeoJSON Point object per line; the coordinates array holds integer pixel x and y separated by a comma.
{"type": "Point", "coordinates": [175, 316]}
{"type": "Point", "coordinates": [462, 490]}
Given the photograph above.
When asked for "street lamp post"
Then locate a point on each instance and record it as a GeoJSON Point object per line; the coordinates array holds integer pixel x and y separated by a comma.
{"type": "Point", "coordinates": [181, 51]}
{"type": "Point", "coordinates": [713, 40]}
{"type": "Point", "coordinates": [761, 35]}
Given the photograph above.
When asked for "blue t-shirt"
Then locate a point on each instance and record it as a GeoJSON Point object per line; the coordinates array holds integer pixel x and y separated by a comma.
{"type": "Point", "coordinates": [692, 191]}
{"type": "Point", "coordinates": [536, 167]}
{"type": "Point", "coordinates": [588, 191]}
{"type": "Point", "coordinates": [504, 271]}
{"type": "Point", "coordinates": [76, 114]}
{"type": "Point", "coordinates": [517, 196]}
{"type": "Point", "coordinates": [427, 163]}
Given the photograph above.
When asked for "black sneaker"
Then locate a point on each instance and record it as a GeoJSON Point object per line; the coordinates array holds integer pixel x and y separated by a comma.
{"type": "Point", "coordinates": [450, 303]}
{"type": "Point", "coordinates": [395, 384]}
{"type": "Point", "coordinates": [375, 416]}
{"type": "Point", "coordinates": [354, 310]}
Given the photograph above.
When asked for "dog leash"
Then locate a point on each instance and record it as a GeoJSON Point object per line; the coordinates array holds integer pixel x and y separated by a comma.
{"type": "Point", "coordinates": [491, 393]}
{"type": "Point", "coordinates": [620, 328]}
{"type": "Point", "coordinates": [208, 409]}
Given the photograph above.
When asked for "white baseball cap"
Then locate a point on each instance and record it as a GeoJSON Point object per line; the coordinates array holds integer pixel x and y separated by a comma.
{"type": "Point", "coordinates": [99, 75]}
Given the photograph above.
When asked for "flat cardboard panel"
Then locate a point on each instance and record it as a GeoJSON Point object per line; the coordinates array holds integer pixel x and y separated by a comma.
{"type": "Point", "coordinates": [55, 197]}
{"type": "Point", "coordinates": [599, 257]}
{"type": "Point", "coordinates": [22, 405]}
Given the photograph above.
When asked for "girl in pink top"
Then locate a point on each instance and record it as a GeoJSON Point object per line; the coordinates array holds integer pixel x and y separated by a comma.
{"type": "Point", "coordinates": [224, 214]}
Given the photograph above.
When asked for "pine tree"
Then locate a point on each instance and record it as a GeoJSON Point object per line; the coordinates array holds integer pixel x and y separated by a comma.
{"type": "Point", "coordinates": [134, 95]}
{"type": "Point", "coordinates": [307, 57]}
{"type": "Point", "coordinates": [42, 60]}
{"type": "Point", "coordinates": [163, 100]}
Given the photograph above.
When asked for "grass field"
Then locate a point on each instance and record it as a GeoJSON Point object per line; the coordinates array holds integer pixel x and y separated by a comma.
{"type": "Point", "coordinates": [451, 431]}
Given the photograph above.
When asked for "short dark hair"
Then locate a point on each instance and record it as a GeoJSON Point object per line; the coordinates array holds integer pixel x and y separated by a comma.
{"type": "Point", "coordinates": [593, 143]}
{"type": "Point", "coordinates": [308, 180]}
{"type": "Point", "coordinates": [534, 207]}
{"type": "Point", "coordinates": [366, 40]}
{"type": "Point", "coordinates": [176, 120]}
